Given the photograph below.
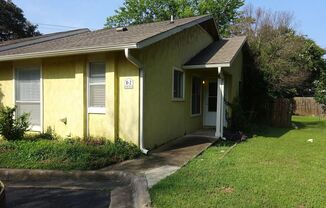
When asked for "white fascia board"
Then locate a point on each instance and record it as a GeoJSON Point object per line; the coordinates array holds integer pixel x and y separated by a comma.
{"type": "Point", "coordinates": [207, 66]}
{"type": "Point", "coordinates": [171, 32]}
{"type": "Point", "coordinates": [64, 52]}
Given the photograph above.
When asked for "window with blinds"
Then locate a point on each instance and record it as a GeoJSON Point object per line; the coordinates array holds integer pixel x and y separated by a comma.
{"type": "Point", "coordinates": [178, 84]}
{"type": "Point", "coordinates": [96, 88]}
{"type": "Point", "coordinates": [196, 96]}
{"type": "Point", "coordinates": [27, 94]}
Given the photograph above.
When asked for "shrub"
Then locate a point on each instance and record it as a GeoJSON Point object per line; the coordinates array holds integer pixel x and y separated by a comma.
{"type": "Point", "coordinates": [64, 154]}
{"type": "Point", "coordinates": [11, 127]}
{"type": "Point", "coordinates": [239, 122]}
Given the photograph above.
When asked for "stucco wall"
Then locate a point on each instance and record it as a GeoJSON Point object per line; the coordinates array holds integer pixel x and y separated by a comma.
{"type": "Point", "coordinates": [65, 95]}
{"type": "Point", "coordinates": [128, 100]}
{"type": "Point", "coordinates": [165, 119]}
{"type": "Point", "coordinates": [235, 72]}
{"type": "Point", "coordinates": [6, 84]}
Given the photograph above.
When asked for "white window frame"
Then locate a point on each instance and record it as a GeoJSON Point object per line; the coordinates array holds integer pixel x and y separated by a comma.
{"type": "Point", "coordinates": [95, 110]}
{"type": "Point", "coordinates": [183, 85]}
{"type": "Point", "coordinates": [32, 128]}
{"type": "Point", "coordinates": [200, 98]}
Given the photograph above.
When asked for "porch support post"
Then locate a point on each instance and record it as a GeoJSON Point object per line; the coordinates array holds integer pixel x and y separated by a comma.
{"type": "Point", "coordinates": [222, 104]}
{"type": "Point", "coordinates": [219, 103]}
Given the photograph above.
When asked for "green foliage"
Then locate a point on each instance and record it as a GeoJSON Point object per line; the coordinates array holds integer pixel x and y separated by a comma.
{"type": "Point", "coordinates": [13, 24]}
{"type": "Point", "coordinates": [12, 128]}
{"type": "Point", "coordinates": [279, 63]}
{"type": "Point", "coordinates": [64, 154]}
{"type": "Point", "coordinates": [277, 168]}
{"type": "Point", "coordinates": [239, 122]}
{"type": "Point", "coordinates": [320, 94]}
{"type": "Point", "coordinates": [134, 12]}
{"type": "Point", "coordinates": [289, 62]}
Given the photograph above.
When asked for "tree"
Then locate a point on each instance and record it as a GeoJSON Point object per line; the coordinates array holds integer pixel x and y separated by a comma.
{"type": "Point", "coordinates": [320, 93]}
{"type": "Point", "coordinates": [13, 24]}
{"type": "Point", "coordinates": [279, 61]}
{"type": "Point", "coordinates": [289, 61]}
{"type": "Point", "coordinates": [225, 12]}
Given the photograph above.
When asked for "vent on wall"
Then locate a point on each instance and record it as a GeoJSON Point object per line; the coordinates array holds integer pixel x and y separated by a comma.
{"type": "Point", "coordinates": [121, 29]}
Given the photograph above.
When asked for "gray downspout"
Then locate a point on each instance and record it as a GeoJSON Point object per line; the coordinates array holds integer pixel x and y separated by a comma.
{"type": "Point", "coordinates": [137, 63]}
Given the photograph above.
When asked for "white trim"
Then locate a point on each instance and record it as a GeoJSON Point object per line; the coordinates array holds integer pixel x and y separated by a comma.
{"type": "Point", "coordinates": [207, 66]}
{"type": "Point", "coordinates": [138, 64]}
{"type": "Point", "coordinates": [222, 106]}
{"type": "Point", "coordinates": [218, 108]}
{"type": "Point", "coordinates": [94, 110]}
{"type": "Point", "coordinates": [41, 99]}
{"type": "Point", "coordinates": [33, 128]}
{"type": "Point", "coordinates": [14, 84]}
{"type": "Point", "coordinates": [176, 99]}
{"type": "Point", "coordinates": [132, 59]}
{"type": "Point", "coordinates": [87, 96]}
{"type": "Point", "coordinates": [201, 95]}
{"type": "Point", "coordinates": [29, 102]}
{"type": "Point", "coordinates": [65, 52]}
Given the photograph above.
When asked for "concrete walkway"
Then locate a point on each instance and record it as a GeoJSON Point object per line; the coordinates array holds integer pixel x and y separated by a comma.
{"type": "Point", "coordinates": [168, 158]}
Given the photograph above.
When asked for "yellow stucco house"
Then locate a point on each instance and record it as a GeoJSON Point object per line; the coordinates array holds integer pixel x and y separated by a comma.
{"type": "Point", "coordinates": [146, 84]}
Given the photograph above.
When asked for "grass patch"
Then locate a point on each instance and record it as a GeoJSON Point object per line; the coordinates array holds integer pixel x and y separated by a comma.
{"type": "Point", "coordinates": [64, 154]}
{"type": "Point", "coordinates": [276, 168]}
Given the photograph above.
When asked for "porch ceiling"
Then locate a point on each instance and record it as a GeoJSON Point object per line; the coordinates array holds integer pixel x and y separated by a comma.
{"type": "Point", "coordinates": [220, 53]}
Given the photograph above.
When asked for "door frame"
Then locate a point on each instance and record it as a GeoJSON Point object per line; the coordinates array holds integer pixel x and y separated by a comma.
{"type": "Point", "coordinates": [205, 103]}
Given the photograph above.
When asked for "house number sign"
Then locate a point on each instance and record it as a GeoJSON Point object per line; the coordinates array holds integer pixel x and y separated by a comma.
{"type": "Point", "coordinates": [129, 84]}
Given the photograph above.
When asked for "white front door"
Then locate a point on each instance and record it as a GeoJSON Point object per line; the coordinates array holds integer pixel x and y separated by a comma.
{"type": "Point", "coordinates": [210, 104]}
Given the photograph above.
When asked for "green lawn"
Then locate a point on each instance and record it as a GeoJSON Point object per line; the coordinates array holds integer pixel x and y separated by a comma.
{"type": "Point", "coordinates": [276, 168]}
{"type": "Point", "coordinates": [63, 155]}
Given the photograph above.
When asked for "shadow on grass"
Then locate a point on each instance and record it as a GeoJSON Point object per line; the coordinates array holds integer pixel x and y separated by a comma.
{"type": "Point", "coordinates": [275, 132]}
{"type": "Point", "coordinates": [271, 132]}
{"type": "Point", "coordinates": [307, 124]}
{"type": "Point", "coordinates": [226, 143]}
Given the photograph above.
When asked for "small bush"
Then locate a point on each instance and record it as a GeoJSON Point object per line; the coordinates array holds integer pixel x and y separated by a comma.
{"type": "Point", "coordinates": [12, 128]}
{"type": "Point", "coordinates": [239, 122]}
{"type": "Point", "coordinates": [64, 154]}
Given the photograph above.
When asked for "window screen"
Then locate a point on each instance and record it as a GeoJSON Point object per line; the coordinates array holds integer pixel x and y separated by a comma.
{"type": "Point", "coordinates": [196, 95]}
{"type": "Point", "coordinates": [97, 85]}
{"type": "Point", "coordinates": [177, 84]}
{"type": "Point", "coordinates": [27, 84]}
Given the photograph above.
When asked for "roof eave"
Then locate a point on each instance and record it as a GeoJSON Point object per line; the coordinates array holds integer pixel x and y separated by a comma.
{"type": "Point", "coordinates": [207, 66]}
{"type": "Point", "coordinates": [239, 49]}
{"type": "Point", "coordinates": [171, 32]}
{"type": "Point", "coordinates": [76, 51]}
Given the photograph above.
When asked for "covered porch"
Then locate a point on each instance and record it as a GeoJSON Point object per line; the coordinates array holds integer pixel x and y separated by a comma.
{"type": "Point", "coordinates": [219, 70]}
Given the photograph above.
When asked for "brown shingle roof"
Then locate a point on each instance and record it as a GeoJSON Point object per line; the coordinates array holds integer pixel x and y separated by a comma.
{"type": "Point", "coordinates": [220, 52]}
{"type": "Point", "coordinates": [23, 42]}
{"type": "Point", "coordinates": [137, 36]}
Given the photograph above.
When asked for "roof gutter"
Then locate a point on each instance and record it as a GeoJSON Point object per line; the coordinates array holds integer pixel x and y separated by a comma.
{"type": "Point", "coordinates": [138, 64]}
{"type": "Point", "coordinates": [207, 66]}
{"type": "Point", "coordinates": [65, 52]}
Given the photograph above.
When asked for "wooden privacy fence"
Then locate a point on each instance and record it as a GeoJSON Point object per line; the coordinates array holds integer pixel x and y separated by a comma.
{"type": "Point", "coordinates": [280, 111]}
{"type": "Point", "coordinates": [307, 106]}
